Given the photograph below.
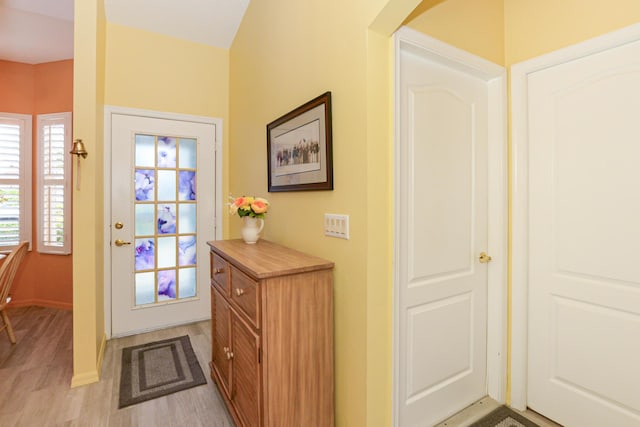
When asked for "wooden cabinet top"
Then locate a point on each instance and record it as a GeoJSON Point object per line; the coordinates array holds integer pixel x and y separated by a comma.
{"type": "Point", "coordinates": [266, 259]}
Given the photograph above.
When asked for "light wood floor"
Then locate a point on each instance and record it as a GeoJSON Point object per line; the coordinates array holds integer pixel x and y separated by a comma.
{"type": "Point", "coordinates": [35, 377]}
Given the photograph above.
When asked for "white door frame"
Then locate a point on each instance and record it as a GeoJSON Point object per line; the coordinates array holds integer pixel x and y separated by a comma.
{"type": "Point", "coordinates": [495, 78]}
{"type": "Point", "coordinates": [109, 111]}
{"type": "Point", "coordinates": [520, 180]}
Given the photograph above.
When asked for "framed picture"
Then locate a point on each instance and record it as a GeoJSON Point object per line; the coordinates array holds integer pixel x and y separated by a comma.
{"type": "Point", "coordinates": [299, 148]}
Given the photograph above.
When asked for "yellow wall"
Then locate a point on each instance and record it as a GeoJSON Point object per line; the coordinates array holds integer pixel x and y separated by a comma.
{"type": "Point", "coordinates": [476, 26]}
{"type": "Point", "coordinates": [339, 60]}
{"type": "Point", "coordinates": [533, 28]}
{"type": "Point", "coordinates": [511, 31]}
{"type": "Point", "coordinates": [156, 72]}
{"type": "Point", "coordinates": [286, 53]}
{"type": "Point", "coordinates": [152, 71]}
{"type": "Point", "coordinates": [116, 65]}
{"type": "Point", "coordinates": [88, 98]}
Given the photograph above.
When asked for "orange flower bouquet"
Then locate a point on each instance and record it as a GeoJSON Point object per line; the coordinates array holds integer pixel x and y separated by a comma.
{"type": "Point", "coordinates": [254, 207]}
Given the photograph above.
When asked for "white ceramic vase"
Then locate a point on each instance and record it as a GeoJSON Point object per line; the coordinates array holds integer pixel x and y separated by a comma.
{"type": "Point", "coordinates": [251, 228]}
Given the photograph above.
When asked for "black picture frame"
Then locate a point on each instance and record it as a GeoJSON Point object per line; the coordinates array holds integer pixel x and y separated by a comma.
{"type": "Point", "coordinates": [299, 148]}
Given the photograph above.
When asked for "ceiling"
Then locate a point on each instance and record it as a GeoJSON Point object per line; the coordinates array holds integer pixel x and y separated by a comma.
{"type": "Point", "coordinates": [36, 31]}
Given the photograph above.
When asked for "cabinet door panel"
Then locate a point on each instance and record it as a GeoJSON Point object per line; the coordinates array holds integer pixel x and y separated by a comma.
{"type": "Point", "coordinates": [221, 343]}
{"type": "Point", "coordinates": [247, 390]}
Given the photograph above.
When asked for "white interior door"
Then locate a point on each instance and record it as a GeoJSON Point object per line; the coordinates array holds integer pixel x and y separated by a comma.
{"type": "Point", "coordinates": [160, 221]}
{"type": "Point", "coordinates": [584, 239]}
{"type": "Point", "coordinates": [441, 364]}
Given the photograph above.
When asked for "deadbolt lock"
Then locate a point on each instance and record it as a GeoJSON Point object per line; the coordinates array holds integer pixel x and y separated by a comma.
{"type": "Point", "coordinates": [118, 225]}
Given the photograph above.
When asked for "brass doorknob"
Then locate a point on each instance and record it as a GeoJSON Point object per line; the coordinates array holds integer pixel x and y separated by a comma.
{"type": "Point", "coordinates": [484, 258]}
{"type": "Point", "coordinates": [120, 242]}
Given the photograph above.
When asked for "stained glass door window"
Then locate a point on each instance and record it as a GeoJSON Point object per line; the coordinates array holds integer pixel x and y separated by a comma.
{"type": "Point", "coordinates": [165, 219]}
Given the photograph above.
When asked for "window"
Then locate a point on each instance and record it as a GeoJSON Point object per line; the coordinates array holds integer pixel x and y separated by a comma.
{"type": "Point", "coordinates": [54, 178]}
{"type": "Point", "coordinates": [15, 179]}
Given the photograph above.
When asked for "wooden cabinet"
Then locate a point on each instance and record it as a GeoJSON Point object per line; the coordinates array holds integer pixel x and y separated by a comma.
{"type": "Point", "coordinates": [272, 334]}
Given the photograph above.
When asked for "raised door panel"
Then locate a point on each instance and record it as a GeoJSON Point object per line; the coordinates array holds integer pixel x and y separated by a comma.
{"type": "Point", "coordinates": [247, 392]}
{"type": "Point", "coordinates": [221, 343]}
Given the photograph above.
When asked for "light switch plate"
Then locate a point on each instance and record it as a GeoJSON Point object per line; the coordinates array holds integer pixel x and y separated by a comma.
{"type": "Point", "coordinates": [336, 225]}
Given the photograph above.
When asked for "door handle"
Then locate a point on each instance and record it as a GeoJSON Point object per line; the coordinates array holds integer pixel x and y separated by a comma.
{"type": "Point", "coordinates": [484, 258]}
{"type": "Point", "coordinates": [120, 242]}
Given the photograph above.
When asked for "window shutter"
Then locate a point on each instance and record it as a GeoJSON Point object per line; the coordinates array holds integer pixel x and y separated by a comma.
{"type": "Point", "coordinates": [53, 180]}
{"type": "Point", "coordinates": [15, 175]}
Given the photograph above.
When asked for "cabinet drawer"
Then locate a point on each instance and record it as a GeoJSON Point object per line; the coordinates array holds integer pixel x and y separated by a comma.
{"type": "Point", "coordinates": [220, 273]}
{"type": "Point", "coordinates": [245, 292]}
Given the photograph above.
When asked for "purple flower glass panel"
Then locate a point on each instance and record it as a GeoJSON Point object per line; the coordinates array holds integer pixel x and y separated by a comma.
{"type": "Point", "coordinates": [187, 185]}
{"type": "Point", "coordinates": [145, 182]}
{"type": "Point", "coordinates": [145, 254]}
{"type": "Point", "coordinates": [166, 219]}
{"type": "Point", "coordinates": [187, 250]}
{"type": "Point", "coordinates": [166, 152]}
{"type": "Point", "coordinates": [167, 284]}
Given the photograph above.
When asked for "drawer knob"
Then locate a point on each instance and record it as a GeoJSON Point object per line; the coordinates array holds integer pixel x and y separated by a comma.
{"type": "Point", "coordinates": [229, 355]}
{"type": "Point", "coordinates": [225, 349]}
{"type": "Point", "coordinates": [218, 270]}
{"type": "Point", "coordinates": [239, 292]}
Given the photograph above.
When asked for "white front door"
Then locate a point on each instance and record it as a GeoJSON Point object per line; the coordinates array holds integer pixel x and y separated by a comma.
{"type": "Point", "coordinates": [584, 239]}
{"type": "Point", "coordinates": [160, 221]}
{"type": "Point", "coordinates": [442, 217]}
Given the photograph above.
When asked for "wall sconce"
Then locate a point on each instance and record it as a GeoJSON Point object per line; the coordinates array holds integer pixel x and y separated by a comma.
{"type": "Point", "coordinates": [78, 150]}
